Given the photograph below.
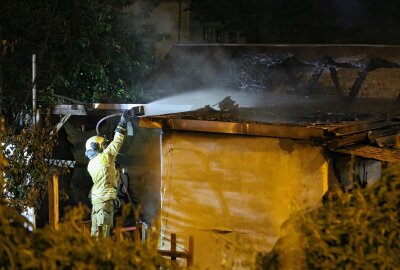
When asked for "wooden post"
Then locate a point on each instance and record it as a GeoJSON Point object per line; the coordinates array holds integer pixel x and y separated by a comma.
{"type": "Point", "coordinates": [118, 234]}
{"type": "Point", "coordinates": [100, 233]}
{"type": "Point", "coordinates": [53, 200]}
{"type": "Point", "coordinates": [173, 253]}
{"type": "Point", "coordinates": [86, 228]}
{"type": "Point", "coordinates": [173, 245]}
{"type": "Point", "coordinates": [136, 233]}
{"type": "Point", "coordinates": [191, 248]}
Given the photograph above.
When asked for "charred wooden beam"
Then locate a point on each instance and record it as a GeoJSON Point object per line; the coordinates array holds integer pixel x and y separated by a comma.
{"type": "Point", "coordinates": [353, 127]}
{"type": "Point", "coordinates": [362, 75]}
{"type": "Point", "coordinates": [355, 89]}
{"type": "Point", "coordinates": [335, 80]}
{"type": "Point", "coordinates": [363, 131]}
{"type": "Point", "coordinates": [347, 140]}
{"type": "Point", "coordinates": [292, 78]}
{"type": "Point", "coordinates": [317, 72]}
{"type": "Point", "coordinates": [367, 151]}
{"type": "Point", "coordinates": [375, 134]}
{"type": "Point", "coordinates": [390, 140]}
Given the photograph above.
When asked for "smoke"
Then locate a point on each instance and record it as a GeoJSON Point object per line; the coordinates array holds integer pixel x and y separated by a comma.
{"type": "Point", "coordinates": [200, 98]}
{"type": "Point", "coordinates": [195, 76]}
{"type": "Point", "coordinates": [279, 106]}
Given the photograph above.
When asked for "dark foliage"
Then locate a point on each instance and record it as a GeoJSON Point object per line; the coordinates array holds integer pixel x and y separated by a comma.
{"type": "Point", "coordinates": [87, 50]}
{"type": "Point", "coordinates": [359, 230]}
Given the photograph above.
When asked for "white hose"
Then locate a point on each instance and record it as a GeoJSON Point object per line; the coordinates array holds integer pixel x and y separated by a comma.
{"type": "Point", "coordinates": [104, 118]}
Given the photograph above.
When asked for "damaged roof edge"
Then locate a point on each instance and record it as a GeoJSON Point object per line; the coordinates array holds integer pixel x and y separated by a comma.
{"type": "Point", "coordinates": [241, 128]}
{"type": "Point", "coordinates": [372, 152]}
{"type": "Point", "coordinates": [318, 134]}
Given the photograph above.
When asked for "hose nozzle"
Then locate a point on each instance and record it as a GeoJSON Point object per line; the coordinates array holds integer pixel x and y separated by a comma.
{"type": "Point", "coordinates": [136, 111]}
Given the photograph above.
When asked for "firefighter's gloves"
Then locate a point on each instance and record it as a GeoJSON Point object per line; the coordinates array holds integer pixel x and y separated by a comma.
{"type": "Point", "coordinates": [124, 119]}
{"type": "Point", "coordinates": [121, 128]}
{"type": "Point", "coordinates": [128, 116]}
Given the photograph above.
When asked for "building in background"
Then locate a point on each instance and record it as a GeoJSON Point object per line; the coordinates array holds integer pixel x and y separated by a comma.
{"type": "Point", "coordinates": [174, 22]}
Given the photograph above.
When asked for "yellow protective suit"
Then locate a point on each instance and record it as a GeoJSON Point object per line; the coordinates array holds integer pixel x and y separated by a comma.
{"type": "Point", "coordinates": [104, 191]}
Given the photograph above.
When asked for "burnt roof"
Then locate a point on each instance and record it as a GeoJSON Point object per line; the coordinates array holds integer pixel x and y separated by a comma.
{"type": "Point", "coordinates": [344, 133]}
{"type": "Point", "coordinates": [359, 131]}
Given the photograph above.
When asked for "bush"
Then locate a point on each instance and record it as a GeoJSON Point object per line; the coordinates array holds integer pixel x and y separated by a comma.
{"type": "Point", "coordinates": [68, 248]}
{"type": "Point", "coordinates": [361, 230]}
{"type": "Point", "coordinates": [27, 149]}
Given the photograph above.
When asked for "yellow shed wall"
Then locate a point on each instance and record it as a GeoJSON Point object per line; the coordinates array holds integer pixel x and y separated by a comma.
{"type": "Point", "coordinates": [232, 193]}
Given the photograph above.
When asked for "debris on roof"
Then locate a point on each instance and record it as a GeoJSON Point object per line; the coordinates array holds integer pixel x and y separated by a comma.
{"type": "Point", "coordinates": [368, 135]}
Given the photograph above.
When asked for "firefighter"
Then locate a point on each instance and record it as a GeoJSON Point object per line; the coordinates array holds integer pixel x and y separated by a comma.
{"type": "Point", "coordinates": [104, 175]}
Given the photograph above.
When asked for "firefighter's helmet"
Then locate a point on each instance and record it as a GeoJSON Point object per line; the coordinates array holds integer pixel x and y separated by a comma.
{"type": "Point", "coordinates": [97, 143]}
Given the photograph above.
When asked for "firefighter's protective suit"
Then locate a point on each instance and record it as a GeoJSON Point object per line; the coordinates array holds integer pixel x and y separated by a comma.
{"type": "Point", "coordinates": [104, 175]}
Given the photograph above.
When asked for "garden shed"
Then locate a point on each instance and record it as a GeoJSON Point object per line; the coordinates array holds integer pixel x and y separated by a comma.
{"type": "Point", "coordinates": [231, 178]}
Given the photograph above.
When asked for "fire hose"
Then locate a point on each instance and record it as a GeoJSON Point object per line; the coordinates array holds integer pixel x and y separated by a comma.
{"type": "Point", "coordinates": [134, 111]}
{"type": "Point", "coordinates": [105, 118]}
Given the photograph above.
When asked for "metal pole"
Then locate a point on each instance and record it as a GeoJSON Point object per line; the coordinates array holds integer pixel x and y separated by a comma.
{"type": "Point", "coordinates": [179, 20]}
{"type": "Point", "coordinates": [34, 89]}
{"type": "Point", "coordinates": [1, 77]}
